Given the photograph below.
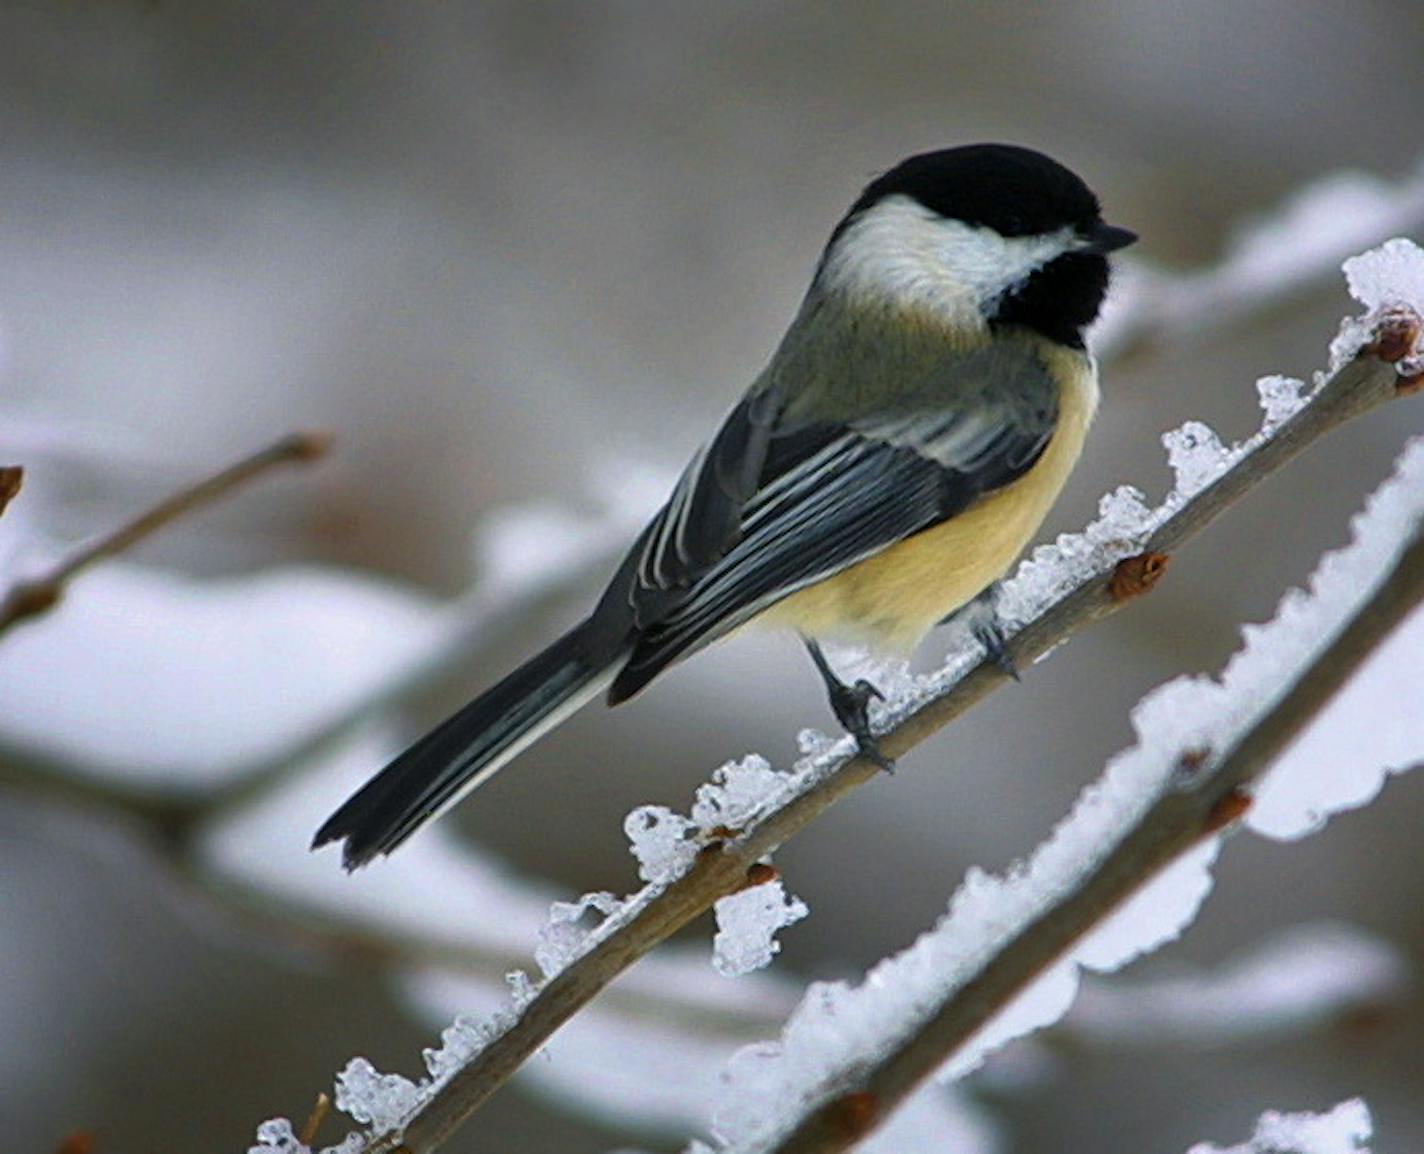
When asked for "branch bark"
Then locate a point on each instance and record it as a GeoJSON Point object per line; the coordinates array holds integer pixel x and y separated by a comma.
{"type": "Point", "coordinates": [30, 598]}
{"type": "Point", "coordinates": [1177, 822]}
{"type": "Point", "coordinates": [1363, 384]}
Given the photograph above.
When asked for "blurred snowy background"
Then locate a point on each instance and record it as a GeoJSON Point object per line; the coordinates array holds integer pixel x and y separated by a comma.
{"type": "Point", "coordinates": [527, 252]}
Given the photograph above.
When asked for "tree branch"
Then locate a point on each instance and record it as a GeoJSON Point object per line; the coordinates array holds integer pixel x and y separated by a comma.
{"type": "Point", "coordinates": [1366, 382]}
{"type": "Point", "coordinates": [11, 478]}
{"type": "Point", "coordinates": [30, 598]}
{"type": "Point", "coordinates": [1179, 820]}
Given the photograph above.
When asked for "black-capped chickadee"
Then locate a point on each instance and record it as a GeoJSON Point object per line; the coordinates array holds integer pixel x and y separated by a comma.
{"type": "Point", "coordinates": [886, 468]}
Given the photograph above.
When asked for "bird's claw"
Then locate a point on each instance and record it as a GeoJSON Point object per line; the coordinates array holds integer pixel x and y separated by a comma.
{"type": "Point", "coordinates": [991, 636]}
{"type": "Point", "coordinates": [850, 703]}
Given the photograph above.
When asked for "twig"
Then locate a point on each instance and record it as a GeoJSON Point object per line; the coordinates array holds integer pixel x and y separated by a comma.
{"type": "Point", "coordinates": [1365, 383]}
{"type": "Point", "coordinates": [1178, 821]}
{"type": "Point", "coordinates": [314, 1120]}
{"type": "Point", "coordinates": [31, 598]}
{"type": "Point", "coordinates": [11, 478]}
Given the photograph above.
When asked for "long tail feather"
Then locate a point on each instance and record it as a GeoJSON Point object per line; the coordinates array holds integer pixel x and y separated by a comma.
{"type": "Point", "coordinates": [468, 749]}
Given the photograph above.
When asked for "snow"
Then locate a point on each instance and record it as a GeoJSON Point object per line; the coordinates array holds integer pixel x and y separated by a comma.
{"type": "Point", "coordinates": [1344, 1130]}
{"type": "Point", "coordinates": [1381, 279]}
{"type": "Point", "coordinates": [1280, 399]}
{"type": "Point", "coordinates": [1298, 978]}
{"type": "Point", "coordinates": [381, 1101]}
{"type": "Point", "coordinates": [662, 842]}
{"type": "Point", "coordinates": [1365, 734]}
{"type": "Point", "coordinates": [657, 1068]}
{"type": "Point", "coordinates": [747, 924]}
{"type": "Point", "coordinates": [644, 1069]}
{"type": "Point", "coordinates": [1050, 572]}
{"type": "Point", "coordinates": [1362, 738]}
{"type": "Point", "coordinates": [276, 1136]}
{"type": "Point", "coordinates": [441, 893]}
{"type": "Point", "coordinates": [839, 1028]}
{"type": "Point", "coordinates": [562, 939]}
{"type": "Point", "coordinates": [1197, 458]}
{"type": "Point", "coordinates": [155, 678]}
{"type": "Point", "coordinates": [739, 794]}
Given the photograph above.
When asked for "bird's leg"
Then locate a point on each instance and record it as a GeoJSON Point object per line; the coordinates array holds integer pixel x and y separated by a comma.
{"type": "Point", "coordinates": [850, 705]}
{"type": "Point", "coordinates": [982, 618]}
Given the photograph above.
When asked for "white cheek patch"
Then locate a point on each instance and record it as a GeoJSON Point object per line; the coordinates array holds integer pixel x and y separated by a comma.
{"type": "Point", "coordinates": [901, 249]}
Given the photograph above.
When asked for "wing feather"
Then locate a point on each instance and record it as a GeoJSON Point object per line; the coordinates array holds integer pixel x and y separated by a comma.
{"type": "Point", "coordinates": [767, 508]}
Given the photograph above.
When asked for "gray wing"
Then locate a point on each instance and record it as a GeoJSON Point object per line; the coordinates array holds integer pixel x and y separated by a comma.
{"type": "Point", "coordinates": [732, 540]}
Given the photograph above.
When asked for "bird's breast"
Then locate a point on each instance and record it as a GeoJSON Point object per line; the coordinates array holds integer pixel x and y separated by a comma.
{"type": "Point", "coordinates": [893, 598]}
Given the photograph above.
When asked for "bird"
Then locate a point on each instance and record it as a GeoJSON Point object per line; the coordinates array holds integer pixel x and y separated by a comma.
{"type": "Point", "coordinates": [895, 456]}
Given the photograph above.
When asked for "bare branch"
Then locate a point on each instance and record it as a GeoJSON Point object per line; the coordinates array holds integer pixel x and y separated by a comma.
{"type": "Point", "coordinates": [11, 478]}
{"type": "Point", "coordinates": [31, 598]}
{"type": "Point", "coordinates": [314, 1120]}
{"type": "Point", "coordinates": [1179, 820]}
{"type": "Point", "coordinates": [1366, 382]}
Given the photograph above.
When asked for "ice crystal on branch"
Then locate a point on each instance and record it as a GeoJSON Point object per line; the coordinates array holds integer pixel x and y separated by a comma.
{"type": "Point", "coordinates": [747, 923]}
{"type": "Point", "coordinates": [381, 1101]}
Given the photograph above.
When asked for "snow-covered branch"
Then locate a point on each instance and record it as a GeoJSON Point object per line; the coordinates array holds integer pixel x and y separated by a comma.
{"type": "Point", "coordinates": [1203, 747]}
{"type": "Point", "coordinates": [691, 864]}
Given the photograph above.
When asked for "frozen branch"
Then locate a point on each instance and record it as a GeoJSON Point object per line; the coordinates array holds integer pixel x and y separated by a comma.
{"type": "Point", "coordinates": [1366, 379]}
{"type": "Point", "coordinates": [1211, 794]}
{"type": "Point", "coordinates": [38, 595]}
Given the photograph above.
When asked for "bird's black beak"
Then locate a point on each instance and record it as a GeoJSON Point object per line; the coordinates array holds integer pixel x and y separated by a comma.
{"type": "Point", "coordinates": [1102, 239]}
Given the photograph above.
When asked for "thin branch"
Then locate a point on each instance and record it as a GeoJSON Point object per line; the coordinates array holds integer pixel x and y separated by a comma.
{"type": "Point", "coordinates": [11, 478]}
{"type": "Point", "coordinates": [30, 598]}
{"type": "Point", "coordinates": [314, 1120]}
{"type": "Point", "coordinates": [1178, 821]}
{"type": "Point", "coordinates": [1365, 383]}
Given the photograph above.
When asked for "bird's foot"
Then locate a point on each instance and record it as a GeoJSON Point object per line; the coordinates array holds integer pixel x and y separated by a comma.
{"type": "Point", "coordinates": [851, 705]}
{"type": "Point", "coordinates": [990, 634]}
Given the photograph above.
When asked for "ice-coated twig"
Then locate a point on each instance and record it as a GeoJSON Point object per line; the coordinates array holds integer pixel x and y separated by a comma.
{"type": "Point", "coordinates": [1207, 791]}
{"type": "Point", "coordinates": [1365, 377]}
{"type": "Point", "coordinates": [38, 595]}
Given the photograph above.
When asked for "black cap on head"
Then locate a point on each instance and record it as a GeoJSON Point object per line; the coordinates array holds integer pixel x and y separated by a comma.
{"type": "Point", "coordinates": [1015, 191]}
